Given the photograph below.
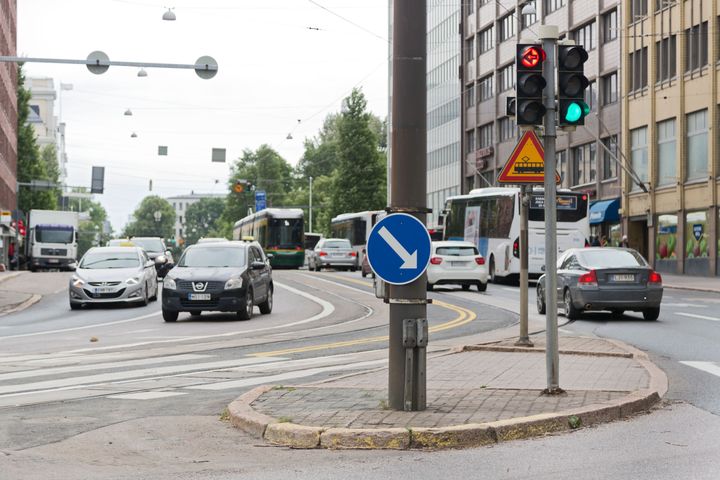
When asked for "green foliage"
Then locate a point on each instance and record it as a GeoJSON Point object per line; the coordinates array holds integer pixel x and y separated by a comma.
{"type": "Point", "coordinates": [202, 219]}
{"type": "Point", "coordinates": [90, 232]}
{"type": "Point", "coordinates": [300, 198]}
{"type": "Point", "coordinates": [360, 181]}
{"type": "Point", "coordinates": [321, 153]}
{"type": "Point", "coordinates": [267, 171]}
{"type": "Point", "coordinates": [31, 164]}
{"type": "Point", "coordinates": [144, 224]}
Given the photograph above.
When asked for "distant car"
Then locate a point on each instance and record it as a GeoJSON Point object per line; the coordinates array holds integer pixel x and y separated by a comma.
{"type": "Point", "coordinates": [604, 278]}
{"type": "Point", "coordinates": [333, 253]}
{"type": "Point", "coordinates": [120, 242]}
{"type": "Point", "coordinates": [113, 274]}
{"type": "Point", "coordinates": [212, 240]}
{"type": "Point", "coordinates": [456, 262]}
{"type": "Point", "coordinates": [227, 276]}
{"type": "Point", "coordinates": [155, 246]}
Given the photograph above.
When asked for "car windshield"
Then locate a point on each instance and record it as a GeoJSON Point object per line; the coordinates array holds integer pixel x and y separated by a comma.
{"type": "Point", "coordinates": [213, 257]}
{"type": "Point", "coordinates": [457, 251]}
{"type": "Point", "coordinates": [99, 260]}
{"type": "Point", "coordinates": [337, 244]}
{"type": "Point", "coordinates": [52, 234]}
{"type": "Point", "coordinates": [610, 258]}
{"type": "Point", "coordinates": [149, 244]}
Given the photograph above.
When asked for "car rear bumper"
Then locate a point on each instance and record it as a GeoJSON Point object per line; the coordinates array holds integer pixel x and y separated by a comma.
{"type": "Point", "coordinates": [225, 301]}
{"type": "Point", "coordinates": [336, 262]}
{"type": "Point", "coordinates": [459, 277]}
{"type": "Point", "coordinates": [50, 262]}
{"type": "Point", "coordinates": [625, 299]}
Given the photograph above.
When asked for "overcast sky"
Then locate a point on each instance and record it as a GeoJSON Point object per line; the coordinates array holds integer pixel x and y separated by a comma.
{"type": "Point", "coordinates": [279, 62]}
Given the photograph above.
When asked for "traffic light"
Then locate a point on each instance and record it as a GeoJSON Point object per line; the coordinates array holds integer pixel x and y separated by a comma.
{"type": "Point", "coordinates": [239, 186]}
{"type": "Point", "coordinates": [572, 83]}
{"type": "Point", "coordinates": [529, 85]}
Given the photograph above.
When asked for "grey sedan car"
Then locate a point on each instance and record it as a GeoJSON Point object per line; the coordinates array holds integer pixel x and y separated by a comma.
{"type": "Point", "coordinates": [113, 274]}
{"type": "Point", "coordinates": [604, 278]}
{"type": "Point", "coordinates": [333, 253]}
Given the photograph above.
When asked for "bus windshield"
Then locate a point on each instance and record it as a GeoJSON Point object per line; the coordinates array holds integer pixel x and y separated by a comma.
{"type": "Point", "coordinates": [570, 207]}
{"type": "Point", "coordinates": [285, 232]}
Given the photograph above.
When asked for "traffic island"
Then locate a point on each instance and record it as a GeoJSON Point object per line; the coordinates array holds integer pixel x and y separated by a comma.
{"type": "Point", "coordinates": [478, 396]}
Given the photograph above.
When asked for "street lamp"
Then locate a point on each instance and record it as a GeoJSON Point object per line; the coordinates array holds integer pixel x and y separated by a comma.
{"type": "Point", "coordinates": [310, 228]}
{"type": "Point", "coordinates": [169, 15]}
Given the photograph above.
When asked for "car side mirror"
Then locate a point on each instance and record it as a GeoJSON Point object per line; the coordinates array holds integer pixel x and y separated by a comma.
{"type": "Point", "coordinates": [256, 265]}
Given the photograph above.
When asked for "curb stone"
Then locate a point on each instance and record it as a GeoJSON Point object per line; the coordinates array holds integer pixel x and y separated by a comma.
{"type": "Point", "coordinates": [9, 276]}
{"type": "Point", "coordinates": [18, 307]}
{"type": "Point", "coordinates": [366, 438]}
{"type": "Point", "coordinates": [293, 435]}
{"type": "Point", "coordinates": [499, 348]}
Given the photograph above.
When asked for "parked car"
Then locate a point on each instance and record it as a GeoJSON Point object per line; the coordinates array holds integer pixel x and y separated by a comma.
{"type": "Point", "coordinates": [113, 274]}
{"type": "Point", "coordinates": [333, 253]}
{"type": "Point", "coordinates": [155, 246]}
{"type": "Point", "coordinates": [456, 262]}
{"type": "Point", "coordinates": [604, 278]}
{"type": "Point", "coordinates": [227, 276]}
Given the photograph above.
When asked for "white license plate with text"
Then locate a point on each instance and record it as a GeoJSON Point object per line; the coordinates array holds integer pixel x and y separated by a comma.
{"type": "Point", "coordinates": [199, 296]}
{"type": "Point", "coordinates": [628, 277]}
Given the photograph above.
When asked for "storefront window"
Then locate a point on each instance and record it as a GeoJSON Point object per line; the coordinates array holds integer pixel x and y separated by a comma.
{"type": "Point", "coordinates": [666, 238]}
{"type": "Point", "coordinates": [615, 234]}
{"type": "Point", "coordinates": [696, 235]}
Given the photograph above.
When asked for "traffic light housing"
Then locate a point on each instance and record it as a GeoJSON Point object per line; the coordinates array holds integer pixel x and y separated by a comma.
{"type": "Point", "coordinates": [529, 84]}
{"type": "Point", "coordinates": [239, 186]}
{"type": "Point", "coordinates": [572, 83]}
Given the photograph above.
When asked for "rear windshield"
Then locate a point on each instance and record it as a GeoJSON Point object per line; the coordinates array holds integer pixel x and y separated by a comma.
{"type": "Point", "coordinates": [149, 244]}
{"type": "Point", "coordinates": [609, 258]}
{"type": "Point", "coordinates": [213, 257]}
{"type": "Point", "coordinates": [337, 244]}
{"type": "Point", "coordinates": [457, 251]}
{"type": "Point", "coordinates": [100, 260]}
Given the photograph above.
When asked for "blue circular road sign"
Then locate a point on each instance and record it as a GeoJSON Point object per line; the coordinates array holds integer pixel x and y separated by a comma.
{"type": "Point", "coordinates": [398, 249]}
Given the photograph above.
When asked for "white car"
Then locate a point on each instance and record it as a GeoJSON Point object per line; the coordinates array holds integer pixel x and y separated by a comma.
{"type": "Point", "coordinates": [459, 263]}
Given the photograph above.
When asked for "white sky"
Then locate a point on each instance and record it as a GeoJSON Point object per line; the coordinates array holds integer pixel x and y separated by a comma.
{"type": "Point", "coordinates": [273, 70]}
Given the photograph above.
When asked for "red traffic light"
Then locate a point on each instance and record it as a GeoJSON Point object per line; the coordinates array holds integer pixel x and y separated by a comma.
{"type": "Point", "coordinates": [531, 57]}
{"type": "Point", "coordinates": [21, 228]}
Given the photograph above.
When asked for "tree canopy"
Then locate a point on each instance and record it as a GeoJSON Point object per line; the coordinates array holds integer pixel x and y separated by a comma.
{"type": "Point", "coordinates": [202, 219]}
{"type": "Point", "coordinates": [144, 223]}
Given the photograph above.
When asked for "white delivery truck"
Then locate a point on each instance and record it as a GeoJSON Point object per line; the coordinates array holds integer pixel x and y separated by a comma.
{"type": "Point", "coordinates": [52, 240]}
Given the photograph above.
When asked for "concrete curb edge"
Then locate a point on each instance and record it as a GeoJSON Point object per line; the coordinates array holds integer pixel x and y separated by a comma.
{"type": "Point", "coordinates": [23, 305]}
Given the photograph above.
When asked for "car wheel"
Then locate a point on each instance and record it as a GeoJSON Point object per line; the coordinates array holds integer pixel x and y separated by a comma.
{"type": "Point", "coordinates": [169, 316]}
{"type": "Point", "coordinates": [651, 314]}
{"type": "Point", "coordinates": [617, 313]}
{"type": "Point", "coordinates": [465, 287]}
{"type": "Point", "coordinates": [266, 306]}
{"type": "Point", "coordinates": [246, 314]}
{"type": "Point", "coordinates": [317, 267]}
{"type": "Point", "coordinates": [493, 278]}
{"type": "Point", "coordinates": [482, 286]}
{"type": "Point", "coordinates": [363, 274]}
{"type": "Point", "coordinates": [155, 296]}
{"type": "Point", "coordinates": [75, 306]}
{"type": "Point", "coordinates": [196, 314]}
{"type": "Point", "coordinates": [429, 287]}
{"type": "Point", "coordinates": [571, 312]}
{"type": "Point", "coordinates": [540, 300]}
{"type": "Point", "coordinates": [145, 299]}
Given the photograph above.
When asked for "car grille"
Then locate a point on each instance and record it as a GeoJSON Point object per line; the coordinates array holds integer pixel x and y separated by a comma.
{"type": "Point", "coordinates": [103, 284]}
{"type": "Point", "coordinates": [212, 287]}
{"type": "Point", "coordinates": [200, 304]}
{"type": "Point", "coordinates": [105, 295]}
{"type": "Point", "coordinates": [58, 252]}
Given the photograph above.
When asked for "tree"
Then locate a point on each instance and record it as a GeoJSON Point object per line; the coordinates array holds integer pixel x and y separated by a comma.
{"type": "Point", "coordinates": [144, 223]}
{"type": "Point", "coordinates": [300, 198]}
{"type": "Point", "coordinates": [30, 165]}
{"type": "Point", "coordinates": [321, 152]}
{"type": "Point", "coordinates": [202, 219]}
{"type": "Point", "coordinates": [360, 181]}
{"type": "Point", "coordinates": [264, 169]}
{"type": "Point", "coordinates": [91, 232]}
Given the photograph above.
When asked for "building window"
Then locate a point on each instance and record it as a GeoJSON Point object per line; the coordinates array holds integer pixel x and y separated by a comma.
{"type": "Point", "coordinates": [667, 237]}
{"type": "Point", "coordinates": [610, 159]}
{"type": "Point", "coordinates": [506, 129]}
{"type": "Point", "coordinates": [697, 235]}
{"type": "Point", "coordinates": [180, 219]}
{"type": "Point", "coordinates": [639, 153]}
{"type": "Point", "coordinates": [470, 6]}
{"type": "Point", "coordinates": [585, 36]}
{"type": "Point", "coordinates": [662, 4]}
{"type": "Point", "coordinates": [470, 142]}
{"type": "Point", "coordinates": [584, 164]}
{"type": "Point", "coordinates": [638, 10]}
{"type": "Point", "coordinates": [506, 27]}
{"type": "Point", "coordinates": [485, 88]}
{"type": "Point", "coordinates": [180, 232]}
{"type": "Point", "coordinates": [486, 39]}
{"type": "Point", "coordinates": [696, 47]}
{"type": "Point", "coordinates": [562, 168]}
{"type": "Point", "coordinates": [697, 145]}
{"type": "Point", "coordinates": [529, 19]}
{"type": "Point", "coordinates": [485, 136]}
{"type": "Point", "coordinates": [470, 96]}
{"type": "Point", "coordinates": [506, 78]}
{"type": "Point", "coordinates": [591, 95]}
{"type": "Point", "coordinates": [180, 205]}
{"type": "Point", "coordinates": [638, 70]}
{"type": "Point", "coordinates": [610, 26]}
{"type": "Point", "coordinates": [552, 5]}
{"type": "Point", "coordinates": [609, 88]}
{"type": "Point", "coordinates": [667, 173]}
{"type": "Point", "coordinates": [469, 50]}
{"type": "Point", "coordinates": [174, 206]}
{"type": "Point", "coordinates": [665, 67]}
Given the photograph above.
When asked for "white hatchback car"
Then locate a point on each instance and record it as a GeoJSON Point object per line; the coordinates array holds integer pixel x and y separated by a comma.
{"type": "Point", "coordinates": [455, 262]}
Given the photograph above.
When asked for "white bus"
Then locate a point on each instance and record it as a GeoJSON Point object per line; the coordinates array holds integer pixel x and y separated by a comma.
{"type": "Point", "coordinates": [490, 218]}
{"type": "Point", "coordinates": [355, 227]}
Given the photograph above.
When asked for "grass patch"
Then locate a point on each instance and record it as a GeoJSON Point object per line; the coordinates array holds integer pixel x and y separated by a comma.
{"type": "Point", "coordinates": [284, 420]}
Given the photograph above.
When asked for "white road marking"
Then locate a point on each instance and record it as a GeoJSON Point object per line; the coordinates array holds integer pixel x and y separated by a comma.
{"type": "Point", "coordinates": [701, 317]}
{"type": "Point", "coordinates": [683, 305]}
{"type": "Point", "coordinates": [708, 367]}
{"type": "Point", "coordinates": [145, 395]}
{"type": "Point", "coordinates": [510, 289]}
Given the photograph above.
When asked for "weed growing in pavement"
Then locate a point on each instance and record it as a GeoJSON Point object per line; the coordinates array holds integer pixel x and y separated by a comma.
{"type": "Point", "coordinates": [284, 420]}
{"type": "Point", "coordinates": [383, 405]}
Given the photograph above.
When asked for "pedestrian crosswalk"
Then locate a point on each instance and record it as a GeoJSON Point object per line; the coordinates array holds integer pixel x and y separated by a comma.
{"type": "Point", "coordinates": [708, 367]}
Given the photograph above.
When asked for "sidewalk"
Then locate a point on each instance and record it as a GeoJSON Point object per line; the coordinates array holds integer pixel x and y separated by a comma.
{"type": "Point", "coordinates": [476, 395]}
{"type": "Point", "coordinates": [688, 282]}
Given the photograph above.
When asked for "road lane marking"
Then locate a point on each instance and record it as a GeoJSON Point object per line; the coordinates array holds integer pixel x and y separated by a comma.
{"type": "Point", "coordinates": [707, 367]}
{"type": "Point", "coordinates": [145, 395]}
{"type": "Point", "coordinates": [701, 317]}
{"type": "Point", "coordinates": [683, 305]}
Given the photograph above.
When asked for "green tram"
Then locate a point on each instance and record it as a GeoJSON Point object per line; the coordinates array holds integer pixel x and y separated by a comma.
{"type": "Point", "coordinates": [280, 232]}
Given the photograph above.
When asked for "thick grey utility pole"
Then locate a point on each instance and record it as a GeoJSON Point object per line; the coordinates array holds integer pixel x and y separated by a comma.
{"type": "Point", "coordinates": [408, 307]}
{"type": "Point", "coordinates": [524, 340]}
{"type": "Point", "coordinates": [549, 35]}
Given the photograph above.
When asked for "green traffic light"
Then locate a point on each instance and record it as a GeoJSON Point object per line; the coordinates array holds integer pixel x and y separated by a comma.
{"type": "Point", "coordinates": [573, 113]}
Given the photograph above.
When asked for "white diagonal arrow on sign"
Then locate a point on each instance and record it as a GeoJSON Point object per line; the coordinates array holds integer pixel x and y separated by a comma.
{"type": "Point", "coordinates": [409, 261]}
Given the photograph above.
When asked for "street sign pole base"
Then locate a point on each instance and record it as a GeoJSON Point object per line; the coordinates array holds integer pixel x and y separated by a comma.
{"type": "Point", "coordinates": [524, 342]}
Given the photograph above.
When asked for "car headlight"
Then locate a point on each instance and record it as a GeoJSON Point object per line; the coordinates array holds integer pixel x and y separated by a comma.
{"type": "Point", "coordinates": [77, 282]}
{"type": "Point", "coordinates": [169, 283]}
{"type": "Point", "coordinates": [234, 283]}
{"type": "Point", "coordinates": [133, 281]}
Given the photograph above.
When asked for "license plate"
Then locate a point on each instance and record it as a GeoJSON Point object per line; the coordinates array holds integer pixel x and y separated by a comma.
{"type": "Point", "coordinates": [53, 260]}
{"type": "Point", "coordinates": [104, 290]}
{"type": "Point", "coordinates": [338, 255]}
{"type": "Point", "coordinates": [199, 296]}
{"type": "Point", "coordinates": [623, 277]}
{"type": "Point", "coordinates": [458, 264]}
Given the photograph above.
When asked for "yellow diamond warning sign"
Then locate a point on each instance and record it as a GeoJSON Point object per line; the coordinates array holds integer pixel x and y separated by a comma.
{"type": "Point", "coordinates": [527, 162]}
